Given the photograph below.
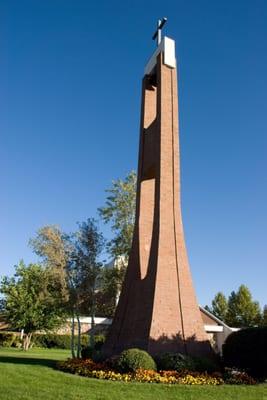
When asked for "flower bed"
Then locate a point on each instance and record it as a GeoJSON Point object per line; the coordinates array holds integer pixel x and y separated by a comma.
{"type": "Point", "coordinates": [98, 370]}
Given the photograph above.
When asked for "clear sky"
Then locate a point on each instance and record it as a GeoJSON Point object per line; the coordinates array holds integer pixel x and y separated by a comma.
{"type": "Point", "coordinates": [70, 85]}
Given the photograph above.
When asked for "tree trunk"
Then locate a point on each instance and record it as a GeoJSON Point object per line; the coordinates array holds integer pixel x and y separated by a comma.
{"type": "Point", "coordinates": [91, 332]}
{"type": "Point", "coordinates": [79, 337]}
{"type": "Point", "coordinates": [72, 337]}
{"type": "Point", "coordinates": [27, 341]}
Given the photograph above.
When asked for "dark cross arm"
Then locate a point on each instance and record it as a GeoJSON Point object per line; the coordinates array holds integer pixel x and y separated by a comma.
{"type": "Point", "coordinates": [157, 34]}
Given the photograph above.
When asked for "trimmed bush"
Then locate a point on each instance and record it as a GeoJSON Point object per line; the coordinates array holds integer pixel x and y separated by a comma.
{"type": "Point", "coordinates": [247, 350]}
{"type": "Point", "coordinates": [133, 359]}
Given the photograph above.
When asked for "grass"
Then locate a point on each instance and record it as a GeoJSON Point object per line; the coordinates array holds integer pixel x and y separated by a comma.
{"type": "Point", "coordinates": [31, 375]}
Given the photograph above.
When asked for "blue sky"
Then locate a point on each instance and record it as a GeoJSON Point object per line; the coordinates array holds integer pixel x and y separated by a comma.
{"type": "Point", "coordinates": [70, 78]}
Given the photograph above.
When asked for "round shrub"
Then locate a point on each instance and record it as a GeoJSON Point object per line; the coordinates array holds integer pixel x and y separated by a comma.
{"type": "Point", "coordinates": [132, 359]}
{"type": "Point", "coordinates": [246, 349]}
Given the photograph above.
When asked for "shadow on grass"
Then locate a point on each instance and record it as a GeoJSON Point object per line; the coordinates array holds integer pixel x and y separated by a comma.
{"type": "Point", "coordinates": [44, 362]}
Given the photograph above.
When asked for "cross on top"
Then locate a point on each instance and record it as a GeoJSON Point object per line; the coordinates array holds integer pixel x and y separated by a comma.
{"type": "Point", "coordinates": [157, 34]}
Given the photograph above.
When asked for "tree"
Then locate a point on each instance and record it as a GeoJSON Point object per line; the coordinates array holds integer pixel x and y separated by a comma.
{"type": "Point", "coordinates": [243, 312]}
{"type": "Point", "coordinates": [54, 248]}
{"type": "Point", "coordinates": [119, 210]}
{"type": "Point", "coordinates": [107, 296]}
{"type": "Point", "coordinates": [219, 306]}
{"type": "Point", "coordinates": [264, 316]}
{"type": "Point", "coordinates": [85, 271]}
{"type": "Point", "coordinates": [30, 301]}
{"type": "Point", "coordinates": [74, 262]}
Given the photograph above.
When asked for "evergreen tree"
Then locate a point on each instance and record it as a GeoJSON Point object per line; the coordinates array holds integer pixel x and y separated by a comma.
{"type": "Point", "coordinates": [219, 306]}
{"type": "Point", "coordinates": [243, 312]}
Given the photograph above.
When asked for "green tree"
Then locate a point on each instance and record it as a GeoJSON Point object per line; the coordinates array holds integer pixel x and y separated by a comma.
{"type": "Point", "coordinates": [219, 306]}
{"type": "Point", "coordinates": [30, 301]}
{"type": "Point", "coordinates": [54, 248]}
{"type": "Point", "coordinates": [264, 316]}
{"type": "Point", "coordinates": [119, 211]}
{"type": "Point", "coordinates": [107, 296]}
{"type": "Point", "coordinates": [85, 271]}
{"type": "Point", "coordinates": [243, 312]}
{"type": "Point", "coordinates": [74, 262]}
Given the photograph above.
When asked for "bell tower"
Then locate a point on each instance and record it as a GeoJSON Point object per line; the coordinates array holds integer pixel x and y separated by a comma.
{"type": "Point", "coordinates": [158, 309]}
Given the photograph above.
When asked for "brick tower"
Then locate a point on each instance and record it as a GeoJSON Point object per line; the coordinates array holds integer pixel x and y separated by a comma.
{"type": "Point", "coordinates": [157, 309]}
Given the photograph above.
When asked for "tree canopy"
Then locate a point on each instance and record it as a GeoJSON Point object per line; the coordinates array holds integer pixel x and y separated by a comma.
{"type": "Point", "coordinates": [239, 310]}
{"type": "Point", "coordinates": [219, 306]}
{"type": "Point", "coordinates": [243, 312]}
{"type": "Point", "coordinates": [54, 248]}
{"type": "Point", "coordinates": [31, 301]}
{"type": "Point", "coordinates": [119, 211]}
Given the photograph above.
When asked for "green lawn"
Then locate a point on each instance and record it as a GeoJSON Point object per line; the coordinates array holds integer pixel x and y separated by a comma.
{"type": "Point", "coordinates": [32, 376]}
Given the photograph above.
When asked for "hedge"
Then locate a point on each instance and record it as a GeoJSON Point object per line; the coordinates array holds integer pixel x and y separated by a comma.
{"type": "Point", "coordinates": [54, 341]}
{"type": "Point", "coordinates": [49, 340]}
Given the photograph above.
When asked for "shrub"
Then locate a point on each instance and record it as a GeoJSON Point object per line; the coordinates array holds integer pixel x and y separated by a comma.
{"type": "Point", "coordinates": [175, 361]}
{"type": "Point", "coordinates": [246, 350]}
{"type": "Point", "coordinates": [203, 364]}
{"type": "Point", "coordinates": [6, 339]}
{"type": "Point", "coordinates": [94, 353]}
{"type": "Point", "coordinates": [132, 359]}
{"type": "Point", "coordinates": [87, 352]}
{"type": "Point", "coordinates": [55, 341]}
{"type": "Point", "coordinates": [9, 339]}
{"type": "Point", "coordinates": [49, 340]}
{"type": "Point", "coordinates": [99, 341]}
{"type": "Point", "coordinates": [181, 362]}
{"type": "Point", "coordinates": [112, 362]}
